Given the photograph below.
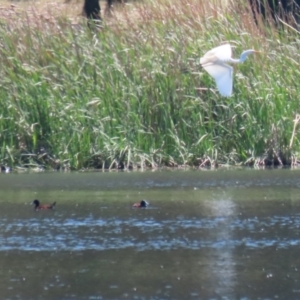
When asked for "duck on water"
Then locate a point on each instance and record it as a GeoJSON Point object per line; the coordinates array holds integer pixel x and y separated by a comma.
{"type": "Point", "coordinates": [39, 206]}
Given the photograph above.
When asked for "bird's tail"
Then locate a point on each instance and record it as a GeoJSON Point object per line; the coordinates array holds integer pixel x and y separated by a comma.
{"type": "Point", "coordinates": [53, 204]}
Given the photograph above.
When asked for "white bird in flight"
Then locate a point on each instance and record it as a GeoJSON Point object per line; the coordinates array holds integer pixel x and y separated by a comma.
{"type": "Point", "coordinates": [214, 63]}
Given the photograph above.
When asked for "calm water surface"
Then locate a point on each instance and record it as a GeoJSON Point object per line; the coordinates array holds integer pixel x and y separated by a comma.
{"type": "Point", "coordinates": [206, 235]}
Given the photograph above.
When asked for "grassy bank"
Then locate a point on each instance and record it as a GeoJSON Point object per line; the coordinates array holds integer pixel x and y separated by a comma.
{"type": "Point", "coordinates": [133, 94]}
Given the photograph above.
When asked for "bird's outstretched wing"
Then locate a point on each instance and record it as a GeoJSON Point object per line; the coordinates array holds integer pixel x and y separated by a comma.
{"type": "Point", "coordinates": [222, 53]}
{"type": "Point", "coordinates": [222, 74]}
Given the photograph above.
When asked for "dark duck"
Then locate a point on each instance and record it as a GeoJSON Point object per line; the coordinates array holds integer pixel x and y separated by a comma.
{"type": "Point", "coordinates": [39, 206]}
{"type": "Point", "coordinates": [143, 203]}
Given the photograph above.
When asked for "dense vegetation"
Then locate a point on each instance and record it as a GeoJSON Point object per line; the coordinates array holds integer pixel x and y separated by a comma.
{"type": "Point", "coordinates": [132, 94]}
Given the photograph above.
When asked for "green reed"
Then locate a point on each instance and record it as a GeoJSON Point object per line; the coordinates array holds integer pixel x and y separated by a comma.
{"type": "Point", "coordinates": [133, 94]}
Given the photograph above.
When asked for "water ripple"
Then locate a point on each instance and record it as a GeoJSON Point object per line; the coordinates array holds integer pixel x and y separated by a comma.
{"type": "Point", "coordinates": [89, 233]}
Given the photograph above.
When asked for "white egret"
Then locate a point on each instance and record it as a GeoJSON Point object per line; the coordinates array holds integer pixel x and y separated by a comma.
{"type": "Point", "coordinates": [214, 63]}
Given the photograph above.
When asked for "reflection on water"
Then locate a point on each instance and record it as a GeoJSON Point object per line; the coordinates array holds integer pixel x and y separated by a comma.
{"type": "Point", "coordinates": [141, 234]}
{"type": "Point", "coordinates": [206, 235]}
{"type": "Point", "coordinates": [225, 233]}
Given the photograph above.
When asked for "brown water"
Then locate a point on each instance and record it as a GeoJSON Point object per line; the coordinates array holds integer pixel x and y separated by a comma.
{"type": "Point", "coordinates": [206, 235]}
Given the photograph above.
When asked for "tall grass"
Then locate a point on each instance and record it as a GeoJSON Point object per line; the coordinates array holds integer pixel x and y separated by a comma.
{"type": "Point", "coordinates": [132, 94]}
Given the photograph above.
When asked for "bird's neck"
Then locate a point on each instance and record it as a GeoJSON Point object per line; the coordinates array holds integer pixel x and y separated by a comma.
{"type": "Point", "coordinates": [236, 60]}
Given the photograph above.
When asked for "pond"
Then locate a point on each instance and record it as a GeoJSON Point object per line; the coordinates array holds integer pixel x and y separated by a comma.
{"type": "Point", "coordinates": [219, 234]}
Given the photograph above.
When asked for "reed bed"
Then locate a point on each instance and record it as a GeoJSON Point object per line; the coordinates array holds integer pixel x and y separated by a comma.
{"type": "Point", "coordinates": [131, 94]}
